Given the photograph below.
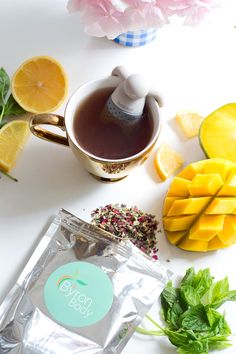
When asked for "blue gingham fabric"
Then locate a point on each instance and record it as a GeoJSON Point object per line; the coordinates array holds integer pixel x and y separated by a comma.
{"type": "Point", "coordinates": [136, 38]}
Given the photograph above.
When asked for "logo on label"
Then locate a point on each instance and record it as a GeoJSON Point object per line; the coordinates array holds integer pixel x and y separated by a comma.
{"type": "Point", "coordinates": [78, 294]}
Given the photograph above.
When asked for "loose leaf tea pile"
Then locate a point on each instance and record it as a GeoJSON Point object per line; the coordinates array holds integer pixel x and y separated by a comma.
{"type": "Point", "coordinates": [193, 323]}
{"type": "Point", "coordinates": [139, 227]}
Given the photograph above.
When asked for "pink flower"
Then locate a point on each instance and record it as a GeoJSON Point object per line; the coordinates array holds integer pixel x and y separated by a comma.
{"type": "Point", "coordinates": [113, 17]}
{"type": "Point", "coordinates": [100, 17]}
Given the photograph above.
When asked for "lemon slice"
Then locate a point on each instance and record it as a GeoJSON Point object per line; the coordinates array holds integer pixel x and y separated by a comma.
{"type": "Point", "coordinates": [39, 85]}
{"type": "Point", "coordinates": [190, 122]}
{"type": "Point", "coordinates": [167, 161]}
{"type": "Point", "coordinates": [13, 137]}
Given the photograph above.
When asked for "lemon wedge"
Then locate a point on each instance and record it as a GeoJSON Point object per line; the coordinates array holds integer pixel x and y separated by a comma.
{"type": "Point", "coordinates": [167, 161]}
{"type": "Point", "coordinates": [13, 137]}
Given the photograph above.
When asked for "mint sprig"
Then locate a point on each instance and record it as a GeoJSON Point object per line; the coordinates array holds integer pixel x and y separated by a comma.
{"type": "Point", "coordinates": [8, 105]}
{"type": "Point", "coordinates": [193, 323]}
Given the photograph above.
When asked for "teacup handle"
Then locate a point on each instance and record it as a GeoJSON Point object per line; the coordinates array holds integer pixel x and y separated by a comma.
{"type": "Point", "coordinates": [48, 119]}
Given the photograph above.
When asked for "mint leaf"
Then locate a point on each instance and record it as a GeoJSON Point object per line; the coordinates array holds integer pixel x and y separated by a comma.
{"type": "Point", "coordinates": [4, 87]}
{"type": "Point", "coordinates": [173, 315]}
{"type": "Point", "coordinates": [219, 293]}
{"type": "Point", "coordinates": [218, 290]}
{"type": "Point", "coordinates": [168, 297]}
{"type": "Point", "coordinates": [196, 347]}
{"type": "Point", "coordinates": [171, 305]}
{"type": "Point", "coordinates": [202, 281]}
{"type": "Point", "coordinates": [190, 295]}
{"type": "Point", "coordinates": [177, 339]}
{"type": "Point", "coordinates": [229, 296]}
{"type": "Point", "coordinates": [218, 323]}
{"type": "Point", "coordinates": [218, 343]}
{"type": "Point", "coordinates": [188, 278]}
{"type": "Point", "coordinates": [195, 319]}
{"type": "Point", "coordinates": [12, 107]}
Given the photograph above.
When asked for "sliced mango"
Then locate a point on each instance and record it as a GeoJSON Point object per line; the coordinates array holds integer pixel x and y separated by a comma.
{"type": "Point", "coordinates": [179, 188]}
{"type": "Point", "coordinates": [216, 244]}
{"type": "Point", "coordinates": [205, 185]}
{"type": "Point", "coordinates": [175, 237]}
{"type": "Point", "coordinates": [200, 207]}
{"type": "Point", "coordinates": [168, 203]}
{"type": "Point", "coordinates": [188, 206]}
{"type": "Point", "coordinates": [221, 167]}
{"type": "Point", "coordinates": [228, 234]}
{"type": "Point", "coordinates": [193, 245]}
{"type": "Point", "coordinates": [178, 223]}
{"type": "Point", "coordinates": [221, 206]}
{"type": "Point", "coordinates": [192, 170]}
{"type": "Point", "coordinates": [229, 189]}
{"type": "Point", "coordinates": [206, 227]}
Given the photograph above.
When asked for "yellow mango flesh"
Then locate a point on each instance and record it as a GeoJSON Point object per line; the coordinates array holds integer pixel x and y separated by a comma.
{"type": "Point", "coordinates": [206, 227]}
{"type": "Point", "coordinates": [193, 245]}
{"type": "Point", "coordinates": [229, 189]}
{"type": "Point", "coordinates": [221, 206]}
{"type": "Point", "coordinates": [175, 237]}
{"type": "Point", "coordinates": [228, 233]}
{"type": "Point", "coordinates": [216, 244]}
{"type": "Point", "coordinates": [188, 206]}
{"type": "Point", "coordinates": [199, 211]}
{"type": "Point", "coordinates": [168, 203]}
{"type": "Point", "coordinates": [178, 223]}
{"type": "Point", "coordinates": [179, 188]}
{"type": "Point", "coordinates": [205, 185]}
{"type": "Point", "coordinates": [191, 170]}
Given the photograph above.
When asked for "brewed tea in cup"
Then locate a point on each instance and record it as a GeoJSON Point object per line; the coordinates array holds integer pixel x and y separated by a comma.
{"type": "Point", "coordinates": [107, 150]}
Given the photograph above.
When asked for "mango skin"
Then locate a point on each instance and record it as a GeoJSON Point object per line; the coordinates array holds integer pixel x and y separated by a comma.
{"type": "Point", "coordinates": [199, 213]}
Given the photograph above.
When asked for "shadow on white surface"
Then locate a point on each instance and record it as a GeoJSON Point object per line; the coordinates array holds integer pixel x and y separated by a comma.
{"type": "Point", "coordinates": [49, 176]}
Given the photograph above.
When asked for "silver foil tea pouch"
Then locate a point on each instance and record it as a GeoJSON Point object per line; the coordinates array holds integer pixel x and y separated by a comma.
{"type": "Point", "coordinates": [82, 291]}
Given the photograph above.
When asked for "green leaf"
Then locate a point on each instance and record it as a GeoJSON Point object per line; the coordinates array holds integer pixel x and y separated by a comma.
{"type": "Point", "coordinates": [230, 296]}
{"type": "Point", "coordinates": [202, 281]}
{"type": "Point", "coordinates": [177, 339]}
{"type": "Point", "coordinates": [194, 347]}
{"type": "Point", "coordinates": [168, 297]}
{"type": "Point", "coordinates": [4, 87]}
{"type": "Point", "coordinates": [188, 278]}
{"type": "Point", "coordinates": [218, 343]}
{"type": "Point", "coordinates": [173, 315]}
{"type": "Point", "coordinates": [218, 290]}
{"type": "Point", "coordinates": [12, 107]}
{"type": "Point", "coordinates": [218, 323]}
{"type": "Point", "coordinates": [195, 319]}
{"type": "Point", "coordinates": [190, 295]}
{"type": "Point", "coordinates": [220, 293]}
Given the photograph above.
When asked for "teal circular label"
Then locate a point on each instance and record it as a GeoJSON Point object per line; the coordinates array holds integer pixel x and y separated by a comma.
{"type": "Point", "coordinates": [78, 294]}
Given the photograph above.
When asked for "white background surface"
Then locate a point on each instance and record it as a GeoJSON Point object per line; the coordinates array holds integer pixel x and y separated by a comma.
{"type": "Point", "coordinates": [193, 67]}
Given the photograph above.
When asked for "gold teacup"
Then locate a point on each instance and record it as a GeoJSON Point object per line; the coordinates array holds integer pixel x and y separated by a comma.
{"type": "Point", "coordinates": [103, 169]}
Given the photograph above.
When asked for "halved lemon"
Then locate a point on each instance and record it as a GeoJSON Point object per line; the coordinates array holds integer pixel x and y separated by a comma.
{"type": "Point", "coordinates": [217, 134]}
{"type": "Point", "coordinates": [167, 161]}
{"type": "Point", "coordinates": [40, 85]}
{"type": "Point", "coordinates": [13, 137]}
